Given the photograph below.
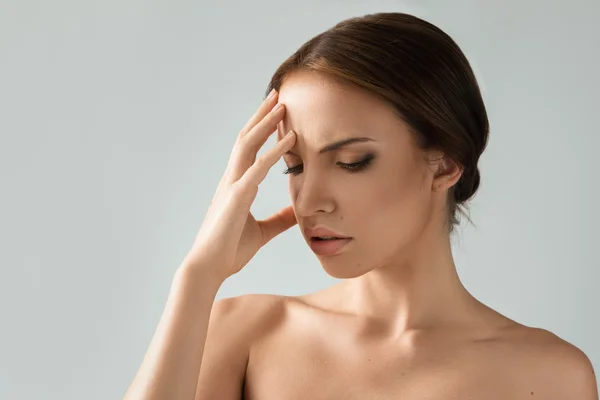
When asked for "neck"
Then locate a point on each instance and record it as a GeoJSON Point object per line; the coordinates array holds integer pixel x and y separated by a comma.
{"type": "Point", "coordinates": [417, 289]}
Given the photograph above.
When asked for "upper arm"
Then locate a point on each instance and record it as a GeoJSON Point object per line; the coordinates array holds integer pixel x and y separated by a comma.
{"type": "Point", "coordinates": [234, 323]}
{"type": "Point", "coordinates": [225, 355]}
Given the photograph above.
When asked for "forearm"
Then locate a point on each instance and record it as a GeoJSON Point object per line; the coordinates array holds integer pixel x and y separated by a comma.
{"type": "Point", "coordinates": [171, 366]}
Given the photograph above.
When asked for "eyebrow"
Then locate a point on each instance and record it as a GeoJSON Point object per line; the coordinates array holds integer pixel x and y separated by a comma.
{"type": "Point", "coordinates": [340, 144]}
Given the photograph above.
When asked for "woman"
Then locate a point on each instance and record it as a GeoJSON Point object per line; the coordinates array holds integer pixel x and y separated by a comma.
{"type": "Point", "coordinates": [385, 125]}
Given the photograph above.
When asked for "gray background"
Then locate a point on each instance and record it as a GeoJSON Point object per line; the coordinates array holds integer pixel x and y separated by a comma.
{"type": "Point", "coordinates": [117, 119]}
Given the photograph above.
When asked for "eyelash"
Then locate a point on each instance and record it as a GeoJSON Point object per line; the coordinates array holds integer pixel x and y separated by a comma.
{"type": "Point", "coordinates": [352, 168]}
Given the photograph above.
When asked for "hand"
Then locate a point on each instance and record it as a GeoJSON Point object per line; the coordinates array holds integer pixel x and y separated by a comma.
{"type": "Point", "coordinates": [230, 236]}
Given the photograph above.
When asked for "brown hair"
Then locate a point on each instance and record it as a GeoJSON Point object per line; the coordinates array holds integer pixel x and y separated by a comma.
{"type": "Point", "coordinates": [421, 71]}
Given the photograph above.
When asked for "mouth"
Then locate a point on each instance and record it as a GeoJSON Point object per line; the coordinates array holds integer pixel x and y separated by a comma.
{"type": "Point", "coordinates": [323, 239]}
{"type": "Point", "coordinates": [328, 246]}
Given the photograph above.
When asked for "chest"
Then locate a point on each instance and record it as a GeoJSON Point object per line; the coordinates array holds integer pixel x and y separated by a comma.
{"type": "Point", "coordinates": [290, 368]}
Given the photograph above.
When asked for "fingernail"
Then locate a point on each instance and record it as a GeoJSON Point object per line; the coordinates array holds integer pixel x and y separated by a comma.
{"type": "Point", "coordinates": [271, 94]}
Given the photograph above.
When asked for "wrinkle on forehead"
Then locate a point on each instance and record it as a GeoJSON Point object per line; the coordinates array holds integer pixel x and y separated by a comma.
{"type": "Point", "coordinates": [321, 110]}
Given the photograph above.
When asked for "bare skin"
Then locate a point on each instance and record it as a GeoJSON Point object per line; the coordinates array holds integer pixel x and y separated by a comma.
{"type": "Point", "coordinates": [400, 325]}
{"type": "Point", "coordinates": [280, 347]}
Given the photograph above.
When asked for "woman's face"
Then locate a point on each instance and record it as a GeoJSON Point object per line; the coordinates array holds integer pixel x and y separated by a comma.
{"type": "Point", "coordinates": [385, 204]}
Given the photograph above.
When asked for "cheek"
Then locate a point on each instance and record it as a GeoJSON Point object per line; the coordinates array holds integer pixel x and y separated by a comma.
{"type": "Point", "coordinates": [396, 210]}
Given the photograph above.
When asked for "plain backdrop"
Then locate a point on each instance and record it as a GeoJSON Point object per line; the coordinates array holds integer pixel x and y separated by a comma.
{"type": "Point", "coordinates": [116, 122]}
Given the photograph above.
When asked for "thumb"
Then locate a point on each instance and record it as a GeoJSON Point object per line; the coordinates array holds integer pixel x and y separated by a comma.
{"type": "Point", "coordinates": [277, 223]}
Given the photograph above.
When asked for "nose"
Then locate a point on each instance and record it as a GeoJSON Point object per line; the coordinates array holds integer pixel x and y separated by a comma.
{"type": "Point", "coordinates": [312, 194]}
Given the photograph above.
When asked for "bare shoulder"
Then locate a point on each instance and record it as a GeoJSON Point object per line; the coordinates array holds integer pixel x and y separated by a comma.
{"type": "Point", "coordinates": [249, 315]}
{"type": "Point", "coordinates": [248, 303]}
{"type": "Point", "coordinates": [234, 324]}
{"type": "Point", "coordinates": [557, 368]}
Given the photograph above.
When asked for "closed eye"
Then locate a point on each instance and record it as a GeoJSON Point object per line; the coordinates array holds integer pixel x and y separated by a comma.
{"type": "Point", "coordinates": [353, 167]}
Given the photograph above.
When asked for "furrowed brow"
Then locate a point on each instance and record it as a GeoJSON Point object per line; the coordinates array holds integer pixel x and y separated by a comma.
{"type": "Point", "coordinates": [340, 144]}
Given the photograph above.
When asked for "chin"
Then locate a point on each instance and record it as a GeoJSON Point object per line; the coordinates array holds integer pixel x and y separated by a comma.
{"type": "Point", "coordinates": [340, 267]}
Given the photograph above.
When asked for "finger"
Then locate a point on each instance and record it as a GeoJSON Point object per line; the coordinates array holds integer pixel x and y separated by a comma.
{"type": "Point", "coordinates": [277, 223]}
{"type": "Point", "coordinates": [258, 171]}
{"type": "Point", "coordinates": [258, 135]}
{"type": "Point", "coordinates": [233, 164]}
{"type": "Point", "coordinates": [245, 152]}
{"type": "Point", "coordinates": [264, 109]}
{"type": "Point", "coordinates": [261, 112]}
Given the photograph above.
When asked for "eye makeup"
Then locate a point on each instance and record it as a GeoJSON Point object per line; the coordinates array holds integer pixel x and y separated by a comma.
{"type": "Point", "coordinates": [351, 168]}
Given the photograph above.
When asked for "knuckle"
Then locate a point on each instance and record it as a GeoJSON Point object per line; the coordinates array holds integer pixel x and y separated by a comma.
{"type": "Point", "coordinates": [261, 161]}
{"type": "Point", "coordinates": [240, 152]}
{"type": "Point", "coordinates": [237, 188]}
{"type": "Point", "coordinates": [242, 140]}
{"type": "Point", "coordinates": [240, 192]}
{"type": "Point", "coordinates": [267, 121]}
{"type": "Point", "coordinates": [247, 142]}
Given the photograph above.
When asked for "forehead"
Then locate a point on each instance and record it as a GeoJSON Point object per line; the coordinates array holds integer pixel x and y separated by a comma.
{"type": "Point", "coordinates": [321, 109]}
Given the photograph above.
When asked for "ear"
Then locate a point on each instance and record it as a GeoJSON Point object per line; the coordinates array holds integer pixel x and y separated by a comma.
{"type": "Point", "coordinates": [447, 173]}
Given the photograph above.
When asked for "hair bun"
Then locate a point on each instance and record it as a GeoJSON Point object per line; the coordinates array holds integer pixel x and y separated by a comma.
{"type": "Point", "coordinates": [467, 186]}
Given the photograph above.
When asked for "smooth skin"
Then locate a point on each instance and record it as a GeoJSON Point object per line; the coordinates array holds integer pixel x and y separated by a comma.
{"type": "Point", "coordinates": [400, 325]}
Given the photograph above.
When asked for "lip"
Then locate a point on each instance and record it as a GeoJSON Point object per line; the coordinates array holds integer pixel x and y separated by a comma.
{"type": "Point", "coordinates": [321, 230]}
{"type": "Point", "coordinates": [328, 247]}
